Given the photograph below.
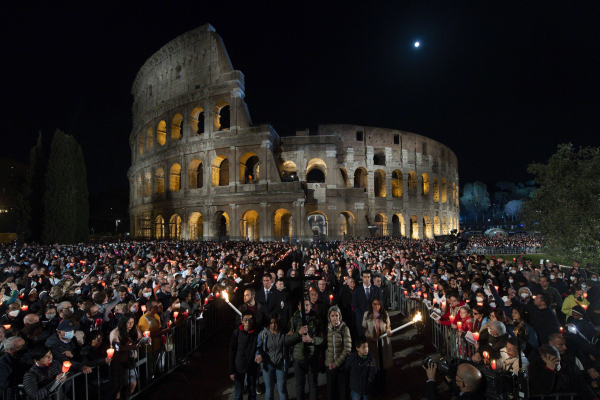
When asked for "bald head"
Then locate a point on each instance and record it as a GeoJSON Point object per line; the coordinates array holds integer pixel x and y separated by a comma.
{"type": "Point", "coordinates": [470, 377]}
{"type": "Point", "coordinates": [31, 319]}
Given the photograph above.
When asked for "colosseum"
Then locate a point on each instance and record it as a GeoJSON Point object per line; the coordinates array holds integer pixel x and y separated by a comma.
{"type": "Point", "coordinates": [202, 171]}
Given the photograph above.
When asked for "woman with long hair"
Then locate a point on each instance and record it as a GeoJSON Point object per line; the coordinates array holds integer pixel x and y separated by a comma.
{"type": "Point", "coordinates": [272, 354]}
{"type": "Point", "coordinates": [125, 338]}
{"type": "Point", "coordinates": [524, 331]}
{"type": "Point", "coordinates": [376, 322]}
{"type": "Point", "coordinates": [575, 298]}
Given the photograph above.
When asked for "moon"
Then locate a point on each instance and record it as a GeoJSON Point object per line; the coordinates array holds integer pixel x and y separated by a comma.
{"type": "Point", "coordinates": [417, 44]}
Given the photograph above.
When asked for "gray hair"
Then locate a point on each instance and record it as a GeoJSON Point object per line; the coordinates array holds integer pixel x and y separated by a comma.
{"type": "Point", "coordinates": [9, 344]}
{"type": "Point", "coordinates": [498, 327]}
{"type": "Point", "coordinates": [332, 309]}
{"type": "Point", "coordinates": [63, 305]}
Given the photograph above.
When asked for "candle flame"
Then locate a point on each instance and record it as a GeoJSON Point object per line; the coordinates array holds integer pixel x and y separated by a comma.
{"type": "Point", "coordinates": [417, 317]}
{"type": "Point", "coordinates": [225, 296]}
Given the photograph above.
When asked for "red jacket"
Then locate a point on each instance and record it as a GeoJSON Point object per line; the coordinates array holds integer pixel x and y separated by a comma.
{"type": "Point", "coordinates": [445, 320]}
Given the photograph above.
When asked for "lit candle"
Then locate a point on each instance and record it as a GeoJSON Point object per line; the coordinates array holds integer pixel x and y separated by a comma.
{"type": "Point", "coordinates": [110, 352]}
{"type": "Point", "coordinates": [402, 282]}
{"type": "Point", "coordinates": [496, 287]}
{"type": "Point", "coordinates": [459, 325]}
{"type": "Point", "coordinates": [414, 286]}
{"type": "Point", "coordinates": [533, 297]}
{"type": "Point", "coordinates": [24, 307]}
{"type": "Point", "coordinates": [444, 304]}
{"type": "Point", "coordinates": [486, 355]}
{"type": "Point", "coordinates": [480, 304]}
{"type": "Point", "coordinates": [476, 336]}
{"type": "Point", "coordinates": [584, 306]}
{"type": "Point", "coordinates": [434, 300]}
{"type": "Point", "coordinates": [217, 294]}
{"type": "Point", "coordinates": [419, 293]}
{"type": "Point", "coordinates": [175, 314]}
{"type": "Point", "coordinates": [103, 284]}
{"type": "Point", "coordinates": [186, 313]}
{"type": "Point", "coordinates": [405, 293]}
{"type": "Point", "coordinates": [169, 323]}
{"type": "Point", "coordinates": [451, 318]}
{"type": "Point", "coordinates": [561, 330]}
{"type": "Point", "coordinates": [6, 327]}
{"type": "Point", "coordinates": [143, 308]}
{"type": "Point", "coordinates": [330, 297]}
{"type": "Point", "coordinates": [435, 287]}
{"type": "Point", "coordinates": [585, 295]}
{"type": "Point", "coordinates": [494, 366]}
{"type": "Point", "coordinates": [206, 301]}
{"type": "Point", "coordinates": [425, 295]}
{"type": "Point", "coordinates": [66, 365]}
{"type": "Point", "coordinates": [147, 334]}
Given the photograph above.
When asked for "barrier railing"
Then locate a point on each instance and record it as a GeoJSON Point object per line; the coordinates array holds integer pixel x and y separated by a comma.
{"type": "Point", "coordinates": [146, 367]}
{"type": "Point", "coordinates": [484, 251]}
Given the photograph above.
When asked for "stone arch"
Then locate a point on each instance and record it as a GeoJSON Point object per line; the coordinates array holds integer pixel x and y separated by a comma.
{"type": "Point", "coordinates": [220, 171]}
{"type": "Point", "coordinates": [436, 190]}
{"type": "Point", "coordinates": [317, 221]}
{"type": "Point", "coordinates": [414, 227]}
{"type": "Point", "coordinates": [222, 224]}
{"type": "Point", "coordinates": [159, 228]}
{"type": "Point", "coordinates": [437, 229]}
{"type": "Point", "coordinates": [360, 178]}
{"type": "Point", "coordinates": [196, 226]}
{"type": "Point", "coordinates": [249, 168]}
{"type": "Point", "coordinates": [425, 191]}
{"type": "Point", "coordinates": [346, 225]}
{"type": "Point", "coordinates": [379, 183]}
{"type": "Point", "coordinates": [412, 180]}
{"type": "Point", "coordinates": [159, 181]}
{"type": "Point", "coordinates": [140, 188]}
{"type": "Point", "coordinates": [398, 225]}
{"type": "Point", "coordinates": [316, 171]}
{"type": "Point", "coordinates": [444, 191]}
{"type": "Point", "coordinates": [397, 184]}
{"type": "Point", "coordinates": [250, 225]}
{"type": "Point", "coordinates": [427, 227]}
{"type": "Point", "coordinates": [381, 224]}
{"type": "Point", "coordinates": [454, 193]}
{"type": "Point", "coordinates": [344, 176]}
{"type": "Point", "coordinates": [281, 223]}
{"type": "Point", "coordinates": [175, 227]}
{"type": "Point", "coordinates": [141, 142]}
{"type": "Point", "coordinates": [176, 126]}
{"type": "Point", "coordinates": [161, 133]}
{"type": "Point", "coordinates": [379, 158]}
{"type": "Point", "coordinates": [222, 116]}
{"type": "Point", "coordinates": [147, 183]}
{"type": "Point", "coordinates": [197, 121]}
{"type": "Point", "coordinates": [196, 174]}
{"type": "Point", "coordinates": [175, 178]}
{"type": "Point", "coordinates": [289, 171]}
{"type": "Point", "coordinates": [149, 139]}
{"type": "Point", "coordinates": [444, 226]}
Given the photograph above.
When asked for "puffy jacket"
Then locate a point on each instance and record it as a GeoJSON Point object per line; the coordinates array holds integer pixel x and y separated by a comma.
{"type": "Point", "coordinates": [339, 345]}
{"type": "Point", "coordinates": [362, 372]}
{"type": "Point", "coordinates": [305, 351]}
{"type": "Point", "coordinates": [58, 347]}
{"type": "Point", "coordinates": [242, 349]}
{"type": "Point", "coordinates": [38, 381]}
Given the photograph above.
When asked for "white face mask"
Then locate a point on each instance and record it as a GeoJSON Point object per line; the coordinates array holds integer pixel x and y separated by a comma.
{"type": "Point", "coordinates": [147, 294]}
{"type": "Point", "coordinates": [14, 313]}
{"type": "Point", "coordinates": [572, 278]}
{"type": "Point", "coordinates": [480, 299]}
{"type": "Point", "coordinates": [511, 280]}
{"type": "Point", "coordinates": [524, 295]}
{"type": "Point", "coordinates": [552, 277]}
{"type": "Point", "coordinates": [69, 335]}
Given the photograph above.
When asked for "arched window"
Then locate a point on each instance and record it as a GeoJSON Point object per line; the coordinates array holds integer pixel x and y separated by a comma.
{"type": "Point", "coordinates": [196, 226]}
{"type": "Point", "coordinates": [427, 227]}
{"type": "Point", "coordinates": [160, 181]}
{"type": "Point", "coordinates": [344, 177]}
{"type": "Point", "coordinates": [176, 127]}
{"type": "Point", "coordinates": [175, 178]}
{"type": "Point", "coordinates": [149, 139]}
{"type": "Point", "coordinates": [379, 181]}
{"type": "Point", "coordinates": [196, 174]}
{"type": "Point", "coordinates": [249, 226]}
{"type": "Point", "coordinates": [425, 185]}
{"type": "Point", "coordinates": [159, 228]}
{"type": "Point", "coordinates": [381, 223]}
{"type": "Point", "coordinates": [414, 227]}
{"type": "Point", "coordinates": [397, 184]}
{"type": "Point", "coordinates": [436, 190]}
{"type": "Point", "coordinates": [398, 226]}
{"type": "Point", "coordinates": [222, 116]}
{"type": "Point", "coordinates": [346, 225]}
{"type": "Point", "coordinates": [175, 227]}
{"type": "Point", "coordinates": [161, 133]}
{"type": "Point", "coordinates": [316, 171]}
{"type": "Point", "coordinates": [444, 190]}
{"type": "Point", "coordinates": [454, 194]}
{"type": "Point", "coordinates": [444, 226]}
{"type": "Point", "coordinates": [220, 171]}
{"type": "Point", "coordinates": [289, 173]}
{"type": "Point", "coordinates": [249, 168]}
{"type": "Point", "coordinates": [281, 223]}
{"type": "Point", "coordinates": [147, 183]}
{"type": "Point", "coordinates": [317, 221]}
{"type": "Point", "coordinates": [222, 224]}
{"type": "Point", "coordinates": [437, 226]}
{"type": "Point", "coordinates": [379, 159]}
{"type": "Point", "coordinates": [197, 121]}
{"type": "Point", "coordinates": [141, 141]}
{"type": "Point", "coordinates": [360, 178]}
{"type": "Point", "coordinates": [412, 180]}
{"type": "Point", "coordinates": [140, 187]}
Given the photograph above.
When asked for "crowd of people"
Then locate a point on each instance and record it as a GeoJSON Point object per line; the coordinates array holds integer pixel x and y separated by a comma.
{"type": "Point", "coordinates": [530, 241]}
{"type": "Point", "coordinates": [322, 309]}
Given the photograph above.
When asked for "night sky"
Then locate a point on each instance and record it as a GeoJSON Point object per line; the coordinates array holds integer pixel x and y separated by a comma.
{"type": "Point", "coordinates": [501, 84]}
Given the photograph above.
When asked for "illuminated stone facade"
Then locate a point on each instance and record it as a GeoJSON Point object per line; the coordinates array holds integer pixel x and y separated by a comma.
{"type": "Point", "coordinates": [202, 171]}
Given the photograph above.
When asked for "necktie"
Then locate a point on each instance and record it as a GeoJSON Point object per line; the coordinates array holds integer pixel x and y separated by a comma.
{"type": "Point", "coordinates": [368, 293]}
{"type": "Point", "coordinates": [266, 296]}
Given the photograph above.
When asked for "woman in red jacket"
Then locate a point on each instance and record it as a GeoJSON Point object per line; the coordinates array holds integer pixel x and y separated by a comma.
{"type": "Point", "coordinates": [452, 309]}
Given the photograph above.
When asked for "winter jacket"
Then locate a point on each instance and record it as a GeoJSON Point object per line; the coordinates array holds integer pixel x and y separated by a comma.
{"type": "Point", "coordinates": [339, 345]}
{"type": "Point", "coordinates": [58, 347]}
{"type": "Point", "coordinates": [263, 350]}
{"type": "Point", "coordinates": [38, 381]}
{"type": "Point", "coordinates": [362, 372]}
{"type": "Point", "coordinates": [571, 302]}
{"type": "Point", "coordinates": [305, 351]}
{"type": "Point", "coordinates": [242, 349]}
{"type": "Point", "coordinates": [385, 343]}
{"type": "Point", "coordinates": [12, 371]}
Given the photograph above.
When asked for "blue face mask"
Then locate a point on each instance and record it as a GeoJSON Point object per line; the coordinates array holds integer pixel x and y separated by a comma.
{"type": "Point", "coordinates": [69, 335]}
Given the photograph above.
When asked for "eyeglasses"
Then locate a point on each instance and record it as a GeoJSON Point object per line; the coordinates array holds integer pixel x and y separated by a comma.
{"type": "Point", "coordinates": [247, 320]}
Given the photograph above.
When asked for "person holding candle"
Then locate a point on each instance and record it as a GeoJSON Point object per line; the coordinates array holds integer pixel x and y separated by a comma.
{"type": "Point", "coordinates": [480, 318]}
{"type": "Point", "coordinates": [94, 354]}
{"type": "Point", "coordinates": [376, 322]}
{"type": "Point", "coordinates": [509, 356]}
{"type": "Point", "coordinates": [11, 317]}
{"type": "Point", "coordinates": [454, 303]}
{"type": "Point", "coordinates": [497, 340]}
{"type": "Point", "coordinates": [580, 319]}
{"type": "Point", "coordinates": [242, 356]}
{"type": "Point", "coordinates": [150, 321]}
{"type": "Point", "coordinates": [465, 318]}
{"type": "Point", "coordinates": [575, 298]}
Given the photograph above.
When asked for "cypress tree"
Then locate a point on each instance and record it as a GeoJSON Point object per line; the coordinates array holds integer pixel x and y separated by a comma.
{"type": "Point", "coordinates": [31, 198]}
{"type": "Point", "coordinates": [82, 206]}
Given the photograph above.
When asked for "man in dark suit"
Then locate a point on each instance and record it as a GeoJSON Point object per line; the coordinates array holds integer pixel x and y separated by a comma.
{"type": "Point", "coordinates": [361, 299]}
{"type": "Point", "coordinates": [268, 296]}
{"type": "Point", "coordinates": [468, 380]}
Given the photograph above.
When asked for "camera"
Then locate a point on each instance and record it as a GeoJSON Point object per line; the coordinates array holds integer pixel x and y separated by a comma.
{"type": "Point", "coordinates": [497, 385]}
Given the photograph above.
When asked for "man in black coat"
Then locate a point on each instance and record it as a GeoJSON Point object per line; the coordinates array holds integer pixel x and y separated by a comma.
{"type": "Point", "coordinates": [542, 317]}
{"type": "Point", "coordinates": [361, 299]}
{"type": "Point", "coordinates": [242, 351]}
{"type": "Point", "coordinates": [267, 295]}
{"type": "Point", "coordinates": [468, 380]}
{"type": "Point", "coordinates": [12, 368]}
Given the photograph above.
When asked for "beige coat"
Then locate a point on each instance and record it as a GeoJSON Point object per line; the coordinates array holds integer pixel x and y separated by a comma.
{"type": "Point", "coordinates": [339, 345]}
{"type": "Point", "coordinates": [386, 345]}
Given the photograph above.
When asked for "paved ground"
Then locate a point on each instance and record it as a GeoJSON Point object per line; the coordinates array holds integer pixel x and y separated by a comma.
{"type": "Point", "coordinates": [207, 377]}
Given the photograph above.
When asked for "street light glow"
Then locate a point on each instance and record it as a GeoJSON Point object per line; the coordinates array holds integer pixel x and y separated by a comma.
{"type": "Point", "coordinates": [417, 44]}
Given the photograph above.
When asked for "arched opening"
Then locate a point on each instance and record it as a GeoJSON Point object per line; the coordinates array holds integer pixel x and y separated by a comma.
{"type": "Point", "coordinates": [161, 133]}
{"type": "Point", "coordinates": [316, 171]}
{"type": "Point", "coordinates": [398, 225]}
{"type": "Point", "coordinates": [196, 174]}
{"type": "Point", "coordinates": [381, 224]}
{"type": "Point", "coordinates": [140, 188]}
{"type": "Point", "coordinates": [196, 226]}
{"type": "Point", "coordinates": [147, 183]}
{"type": "Point", "coordinates": [444, 226]}
{"type": "Point", "coordinates": [220, 171]}
{"type": "Point", "coordinates": [222, 225]}
{"type": "Point", "coordinates": [346, 224]}
{"type": "Point", "coordinates": [444, 190]}
{"type": "Point", "coordinates": [436, 190]}
{"type": "Point", "coordinates": [425, 191]}
{"type": "Point", "coordinates": [288, 171]}
{"type": "Point", "coordinates": [149, 139]}
{"type": "Point", "coordinates": [360, 178]}
{"type": "Point", "coordinates": [450, 226]}
{"type": "Point", "coordinates": [454, 194]}
{"type": "Point", "coordinates": [379, 159]}
{"type": "Point", "coordinates": [175, 178]}
{"type": "Point", "coordinates": [318, 224]}
{"type": "Point", "coordinates": [281, 224]}
{"type": "Point", "coordinates": [141, 141]}
{"type": "Point", "coordinates": [437, 226]}
{"type": "Point", "coordinates": [379, 181]}
{"type": "Point", "coordinates": [412, 180]}
{"type": "Point", "coordinates": [176, 127]}
{"type": "Point", "coordinates": [397, 184]}
{"type": "Point", "coordinates": [414, 227]}
{"type": "Point", "coordinates": [250, 226]}
{"type": "Point", "coordinates": [222, 116]}
{"type": "Point", "coordinates": [175, 227]}
{"type": "Point", "coordinates": [159, 228]}
{"type": "Point", "coordinates": [159, 181]}
{"type": "Point", "coordinates": [197, 121]}
{"type": "Point", "coordinates": [249, 168]}
{"type": "Point", "coordinates": [427, 228]}
{"type": "Point", "coordinates": [344, 176]}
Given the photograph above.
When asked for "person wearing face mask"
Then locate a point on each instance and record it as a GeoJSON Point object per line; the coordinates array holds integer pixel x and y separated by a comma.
{"type": "Point", "coordinates": [558, 283]}
{"type": "Point", "coordinates": [575, 298]}
{"type": "Point", "coordinates": [62, 345]}
{"type": "Point", "coordinates": [12, 316]}
{"type": "Point", "coordinates": [12, 366]}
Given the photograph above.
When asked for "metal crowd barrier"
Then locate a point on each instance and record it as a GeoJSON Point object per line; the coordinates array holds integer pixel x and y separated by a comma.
{"type": "Point", "coordinates": [484, 251]}
{"type": "Point", "coordinates": [185, 337]}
